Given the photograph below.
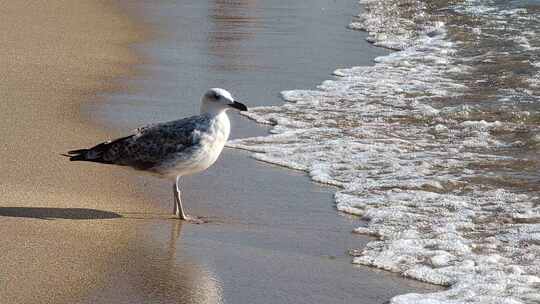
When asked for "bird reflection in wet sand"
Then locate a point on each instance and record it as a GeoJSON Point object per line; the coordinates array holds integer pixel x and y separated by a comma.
{"type": "Point", "coordinates": [155, 270]}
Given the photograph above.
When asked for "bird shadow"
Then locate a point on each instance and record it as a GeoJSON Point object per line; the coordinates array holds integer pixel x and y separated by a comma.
{"type": "Point", "coordinates": [58, 213]}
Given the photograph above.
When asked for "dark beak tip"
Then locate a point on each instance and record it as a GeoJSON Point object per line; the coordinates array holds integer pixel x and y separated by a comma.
{"type": "Point", "coordinates": [239, 106]}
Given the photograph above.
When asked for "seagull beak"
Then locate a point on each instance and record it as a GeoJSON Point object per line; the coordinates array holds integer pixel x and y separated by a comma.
{"type": "Point", "coordinates": [239, 106]}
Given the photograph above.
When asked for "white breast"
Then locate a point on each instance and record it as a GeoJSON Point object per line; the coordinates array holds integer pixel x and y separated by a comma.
{"type": "Point", "coordinates": [205, 154]}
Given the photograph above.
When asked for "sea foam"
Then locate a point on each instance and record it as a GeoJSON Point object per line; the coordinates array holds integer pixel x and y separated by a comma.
{"type": "Point", "coordinates": [447, 184]}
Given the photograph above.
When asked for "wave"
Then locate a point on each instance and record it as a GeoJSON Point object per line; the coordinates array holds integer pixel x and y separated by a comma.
{"type": "Point", "coordinates": [435, 146]}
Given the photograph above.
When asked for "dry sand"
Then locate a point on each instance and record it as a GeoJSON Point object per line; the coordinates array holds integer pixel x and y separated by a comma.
{"type": "Point", "coordinates": [54, 55]}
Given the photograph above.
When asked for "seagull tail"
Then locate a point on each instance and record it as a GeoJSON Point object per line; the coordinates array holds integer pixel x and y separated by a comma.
{"type": "Point", "coordinates": [77, 155]}
{"type": "Point", "coordinates": [94, 154]}
{"type": "Point", "coordinates": [84, 155]}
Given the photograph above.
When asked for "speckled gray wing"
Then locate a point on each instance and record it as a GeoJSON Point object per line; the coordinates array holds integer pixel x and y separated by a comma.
{"type": "Point", "coordinates": [149, 146]}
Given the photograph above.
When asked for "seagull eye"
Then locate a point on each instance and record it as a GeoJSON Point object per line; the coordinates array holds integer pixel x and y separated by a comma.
{"type": "Point", "coordinates": [217, 96]}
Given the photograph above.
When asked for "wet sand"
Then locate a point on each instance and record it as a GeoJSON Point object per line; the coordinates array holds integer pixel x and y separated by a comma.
{"type": "Point", "coordinates": [273, 236]}
{"type": "Point", "coordinates": [84, 233]}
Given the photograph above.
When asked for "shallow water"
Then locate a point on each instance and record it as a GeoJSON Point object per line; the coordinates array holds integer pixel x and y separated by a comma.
{"type": "Point", "coordinates": [255, 49]}
{"type": "Point", "coordinates": [436, 145]}
{"type": "Point", "coordinates": [273, 235]}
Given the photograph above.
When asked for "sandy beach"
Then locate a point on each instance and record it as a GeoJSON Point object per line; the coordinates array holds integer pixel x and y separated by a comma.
{"type": "Point", "coordinates": [76, 73]}
{"type": "Point", "coordinates": [55, 55]}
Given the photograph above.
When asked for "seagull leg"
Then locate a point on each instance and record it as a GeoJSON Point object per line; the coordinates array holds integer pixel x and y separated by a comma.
{"type": "Point", "coordinates": [178, 209]}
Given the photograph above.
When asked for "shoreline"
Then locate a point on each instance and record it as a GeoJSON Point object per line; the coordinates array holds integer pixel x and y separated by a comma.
{"type": "Point", "coordinates": [263, 209]}
{"type": "Point", "coordinates": [90, 233]}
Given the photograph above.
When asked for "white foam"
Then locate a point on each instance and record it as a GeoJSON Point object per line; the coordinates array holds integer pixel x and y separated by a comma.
{"type": "Point", "coordinates": [409, 168]}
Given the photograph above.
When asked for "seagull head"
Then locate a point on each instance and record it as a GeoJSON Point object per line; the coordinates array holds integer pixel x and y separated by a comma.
{"type": "Point", "coordinates": [217, 100]}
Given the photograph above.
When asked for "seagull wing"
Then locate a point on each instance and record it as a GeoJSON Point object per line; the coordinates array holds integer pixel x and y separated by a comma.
{"type": "Point", "coordinates": [148, 146]}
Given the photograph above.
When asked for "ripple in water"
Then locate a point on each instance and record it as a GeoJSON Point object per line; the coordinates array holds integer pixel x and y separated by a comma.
{"type": "Point", "coordinates": [436, 145]}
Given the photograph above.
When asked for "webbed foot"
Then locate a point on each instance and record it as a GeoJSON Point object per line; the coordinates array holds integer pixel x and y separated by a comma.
{"type": "Point", "coordinates": [193, 219]}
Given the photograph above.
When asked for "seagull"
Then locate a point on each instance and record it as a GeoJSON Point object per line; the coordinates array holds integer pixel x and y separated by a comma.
{"type": "Point", "coordinates": [172, 149]}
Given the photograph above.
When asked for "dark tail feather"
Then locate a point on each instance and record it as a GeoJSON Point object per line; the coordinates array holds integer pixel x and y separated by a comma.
{"type": "Point", "coordinates": [84, 154]}
{"type": "Point", "coordinates": [94, 154]}
{"type": "Point", "coordinates": [79, 151]}
{"type": "Point", "coordinates": [77, 157]}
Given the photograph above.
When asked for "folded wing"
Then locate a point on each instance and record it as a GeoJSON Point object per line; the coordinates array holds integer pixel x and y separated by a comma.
{"type": "Point", "coordinates": [148, 146]}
